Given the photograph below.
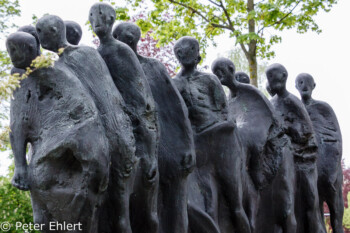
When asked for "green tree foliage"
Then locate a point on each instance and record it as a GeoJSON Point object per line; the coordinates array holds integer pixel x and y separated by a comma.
{"type": "Point", "coordinates": [15, 205]}
{"type": "Point", "coordinates": [246, 21]}
{"type": "Point", "coordinates": [8, 9]}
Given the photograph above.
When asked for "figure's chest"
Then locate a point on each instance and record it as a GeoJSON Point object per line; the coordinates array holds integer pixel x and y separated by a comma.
{"type": "Point", "coordinates": [196, 92]}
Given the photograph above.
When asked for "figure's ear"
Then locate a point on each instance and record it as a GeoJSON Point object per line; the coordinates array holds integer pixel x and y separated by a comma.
{"type": "Point", "coordinates": [285, 75]}
{"type": "Point", "coordinates": [54, 29]}
{"type": "Point", "coordinates": [314, 86]}
{"type": "Point", "coordinates": [231, 69]}
{"type": "Point", "coordinates": [199, 59]}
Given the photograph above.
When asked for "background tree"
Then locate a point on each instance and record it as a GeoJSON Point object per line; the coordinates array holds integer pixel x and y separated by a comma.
{"type": "Point", "coordinates": [237, 56]}
{"type": "Point", "coordinates": [246, 21]}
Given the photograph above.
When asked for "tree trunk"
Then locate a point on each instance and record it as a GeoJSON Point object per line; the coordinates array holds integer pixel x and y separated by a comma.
{"type": "Point", "coordinates": [251, 54]}
{"type": "Point", "coordinates": [253, 71]}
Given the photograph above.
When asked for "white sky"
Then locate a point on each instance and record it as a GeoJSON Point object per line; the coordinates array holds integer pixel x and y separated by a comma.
{"type": "Point", "coordinates": [324, 56]}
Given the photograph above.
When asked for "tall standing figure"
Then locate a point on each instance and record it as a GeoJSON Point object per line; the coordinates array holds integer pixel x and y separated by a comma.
{"type": "Point", "coordinates": [298, 127]}
{"type": "Point", "coordinates": [329, 141]}
{"type": "Point", "coordinates": [89, 67]}
{"type": "Point", "coordinates": [129, 78]}
{"type": "Point", "coordinates": [215, 185]}
{"type": "Point", "coordinates": [176, 156]}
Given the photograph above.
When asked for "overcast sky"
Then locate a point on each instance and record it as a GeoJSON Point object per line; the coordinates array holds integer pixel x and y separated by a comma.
{"type": "Point", "coordinates": [324, 56]}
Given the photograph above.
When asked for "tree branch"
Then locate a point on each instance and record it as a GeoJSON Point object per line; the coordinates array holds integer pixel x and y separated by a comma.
{"type": "Point", "coordinates": [284, 17]}
{"type": "Point", "coordinates": [201, 15]}
{"type": "Point", "coordinates": [220, 26]}
{"type": "Point", "coordinates": [216, 4]}
{"type": "Point", "coordinates": [192, 9]}
{"type": "Point", "coordinates": [227, 16]}
{"type": "Point", "coordinates": [244, 50]}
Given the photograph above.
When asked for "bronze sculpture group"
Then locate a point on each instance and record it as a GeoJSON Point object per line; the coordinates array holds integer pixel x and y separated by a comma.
{"type": "Point", "coordinates": [120, 147]}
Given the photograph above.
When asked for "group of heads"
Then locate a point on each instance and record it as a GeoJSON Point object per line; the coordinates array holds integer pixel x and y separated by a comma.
{"type": "Point", "coordinates": [53, 33]}
{"type": "Point", "coordinates": [23, 46]}
{"type": "Point", "coordinates": [277, 78]}
{"type": "Point", "coordinates": [276, 75]}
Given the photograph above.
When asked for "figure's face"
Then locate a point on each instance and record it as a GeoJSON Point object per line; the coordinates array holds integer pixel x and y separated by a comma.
{"type": "Point", "coordinates": [305, 86]}
{"type": "Point", "coordinates": [272, 94]}
{"type": "Point", "coordinates": [126, 34]}
{"type": "Point", "coordinates": [277, 80]}
{"type": "Point", "coordinates": [187, 53]}
{"type": "Point", "coordinates": [22, 53]}
{"type": "Point", "coordinates": [242, 78]}
{"type": "Point", "coordinates": [101, 19]}
{"type": "Point", "coordinates": [50, 34]}
{"type": "Point", "coordinates": [224, 74]}
{"type": "Point", "coordinates": [73, 34]}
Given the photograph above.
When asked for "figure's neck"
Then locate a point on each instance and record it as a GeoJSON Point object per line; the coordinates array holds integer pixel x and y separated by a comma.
{"type": "Point", "coordinates": [233, 85]}
{"type": "Point", "coordinates": [307, 100]}
{"type": "Point", "coordinates": [106, 37]}
{"type": "Point", "coordinates": [188, 70]}
{"type": "Point", "coordinates": [283, 93]}
{"type": "Point", "coordinates": [134, 48]}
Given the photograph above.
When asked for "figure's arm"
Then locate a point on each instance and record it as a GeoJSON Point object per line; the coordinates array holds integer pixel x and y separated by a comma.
{"type": "Point", "coordinates": [304, 136]}
{"type": "Point", "coordinates": [18, 143]}
{"type": "Point", "coordinates": [219, 97]}
{"type": "Point", "coordinates": [128, 67]}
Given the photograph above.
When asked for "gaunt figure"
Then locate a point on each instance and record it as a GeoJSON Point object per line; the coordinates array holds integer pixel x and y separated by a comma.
{"type": "Point", "coordinates": [129, 78]}
{"type": "Point", "coordinates": [176, 156]}
{"type": "Point", "coordinates": [329, 155]}
{"type": "Point", "coordinates": [299, 129]}
{"type": "Point", "coordinates": [215, 185]}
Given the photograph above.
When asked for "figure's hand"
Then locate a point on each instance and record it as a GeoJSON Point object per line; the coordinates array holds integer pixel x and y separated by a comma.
{"type": "Point", "coordinates": [20, 179]}
{"type": "Point", "coordinates": [188, 162]}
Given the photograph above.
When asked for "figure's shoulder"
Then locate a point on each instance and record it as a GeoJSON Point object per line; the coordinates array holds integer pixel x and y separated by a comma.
{"type": "Point", "coordinates": [150, 61]}
{"type": "Point", "coordinates": [123, 48]}
{"type": "Point", "coordinates": [179, 81]}
{"type": "Point", "coordinates": [250, 89]}
{"type": "Point", "coordinates": [322, 105]}
{"type": "Point", "coordinates": [293, 100]}
{"type": "Point", "coordinates": [15, 70]}
{"type": "Point", "coordinates": [254, 94]}
{"type": "Point", "coordinates": [208, 77]}
{"type": "Point", "coordinates": [79, 49]}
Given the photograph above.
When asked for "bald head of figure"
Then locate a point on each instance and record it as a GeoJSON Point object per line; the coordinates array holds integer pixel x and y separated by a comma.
{"type": "Point", "coordinates": [22, 48]}
{"type": "Point", "coordinates": [305, 84]}
{"type": "Point", "coordinates": [224, 69]}
{"type": "Point", "coordinates": [52, 33]}
{"type": "Point", "coordinates": [73, 32]}
{"type": "Point", "coordinates": [31, 30]}
{"type": "Point", "coordinates": [277, 77]}
{"type": "Point", "coordinates": [129, 33]}
{"type": "Point", "coordinates": [186, 50]}
{"type": "Point", "coordinates": [102, 17]}
{"type": "Point", "coordinates": [242, 77]}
